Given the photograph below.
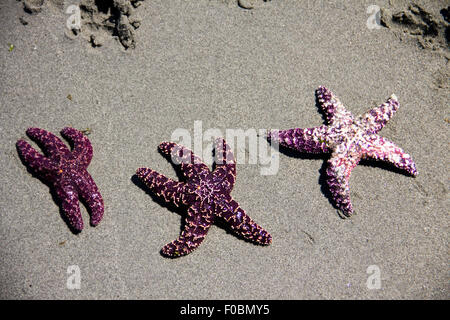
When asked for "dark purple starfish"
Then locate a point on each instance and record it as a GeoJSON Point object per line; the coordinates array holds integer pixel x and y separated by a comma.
{"type": "Point", "coordinates": [349, 140]}
{"type": "Point", "coordinates": [65, 171]}
{"type": "Point", "coordinates": [205, 193]}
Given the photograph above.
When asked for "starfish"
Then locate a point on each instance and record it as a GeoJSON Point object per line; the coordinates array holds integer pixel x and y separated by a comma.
{"type": "Point", "coordinates": [206, 195]}
{"type": "Point", "coordinates": [349, 140]}
{"type": "Point", "coordinates": [65, 171]}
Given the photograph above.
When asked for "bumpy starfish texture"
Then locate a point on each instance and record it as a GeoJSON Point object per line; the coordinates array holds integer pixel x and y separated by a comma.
{"type": "Point", "coordinates": [349, 140]}
{"type": "Point", "coordinates": [65, 171]}
{"type": "Point", "coordinates": [205, 193]}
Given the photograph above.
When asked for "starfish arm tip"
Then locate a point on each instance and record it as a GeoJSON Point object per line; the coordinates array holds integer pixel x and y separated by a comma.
{"type": "Point", "coordinates": [162, 144]}
{"type": "Point", "coordinates": [263, 237]}
{"type": "Point", "coordinates": [347, 213]}
{"type": "Point", "coordinates": [32, 158]}
{"type": "Point", "coordinates": [95, 222]}
{"type": "Point", "coordinates": [31, 130]}
{"type": "Point", "coordinates": [323, 90]}
{"type": "Point", "coordinates": [140, 172]}
{"type": "Point", "coordinates": [21, 143]}
{"type": "Point", "coordinates": [268, 240]}
{"type": "Point", "coordinates": [273, 135]}
{"type": "Point", "coordinates": [176, 249]}
{"type": "Point", "coordinates": [66, 130]}
{"type": "Point", "coordinates": [166, 146]}
{"type": "Point", "coordinates": [38, 134]}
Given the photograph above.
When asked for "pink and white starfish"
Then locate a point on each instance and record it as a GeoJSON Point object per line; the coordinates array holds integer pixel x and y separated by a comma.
{"type": "Point", "coordinates": [349, 140]}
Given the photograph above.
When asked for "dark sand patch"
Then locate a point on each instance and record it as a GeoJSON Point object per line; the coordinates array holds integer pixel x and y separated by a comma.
{"type": "Point", "coordinates": [428, 23]}
{"type": "Point", "coordinates": [35, 6]}
{"type": "Point", "coordinates": [99, 19]}
{"type": "Point", "coordinates": [102, 19]}
{"type": "Point", "coordinates": [114, 18]}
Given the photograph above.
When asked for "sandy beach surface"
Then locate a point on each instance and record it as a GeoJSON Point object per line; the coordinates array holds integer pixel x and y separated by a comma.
{"type": "Point", "coordinates": [172, 63]}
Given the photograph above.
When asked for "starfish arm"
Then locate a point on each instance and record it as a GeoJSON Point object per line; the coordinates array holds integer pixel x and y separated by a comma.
{"type": "Point", "coordinates": [338, 175]}
{"type": "Point", "coordinates": [172, 191]}
{"type": "Point", "coordinates": [33, 159]}
{"type": "Point", "coordinates": [331, 105]}
{"type": "Point", "coordinates": [196, 227]}
{"type": "Point", "coordinates": [374, 120]}
{"type": "Point", "coordinates": [89, 192]}
{"type": "Point", "coordinates": [385, 150]}
{"type": "Point", "coordinates": [68, 196]}
{"type": "Point", "coordinates": [242, 224]}
{"type": "Point", "coordinates": [190, 163]}
{"type": "Point", "coordinates": [225, 171]}
{"type": "Point", "coordinates": [311, 140]}
{"type": "Point", "coordinates": [82, 148]}
{"type": "Point", "coordinates": [49, 142]}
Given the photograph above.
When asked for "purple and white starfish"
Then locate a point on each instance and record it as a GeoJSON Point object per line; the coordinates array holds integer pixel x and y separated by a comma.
{"type": "Point", "coordinates": [65, 171]}
{"type": "Point", "coordinates": [205, 193]}
{"type": "Point", "coordinates": [349, 140]}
